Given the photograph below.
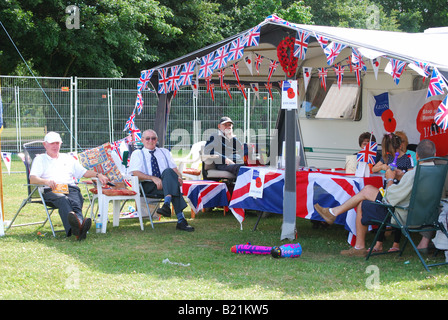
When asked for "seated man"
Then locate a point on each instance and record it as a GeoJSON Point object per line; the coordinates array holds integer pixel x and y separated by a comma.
{"type": "Point", "coordinates": [156, 164]}
{"type": "Point", "coordinates": [53, 169]}
{"type": "Point", "coordinates": [396, 194]}
{"type": "Point", "coordinates": [225, 144]}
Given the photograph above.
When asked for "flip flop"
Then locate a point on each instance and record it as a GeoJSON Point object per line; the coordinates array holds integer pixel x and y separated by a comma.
{"type": "Point", "coordinates": [393, 249]}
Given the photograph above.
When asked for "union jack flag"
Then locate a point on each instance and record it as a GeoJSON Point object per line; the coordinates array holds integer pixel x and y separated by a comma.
{"type": "Point", "coordinates": [163, 81]}
{"type": "Point", "coordinates": [441, 117]}
{"type": "Point", "coordinates": [424, 67]}
{"type": "Point", "coordinates": [236, 50]}
{"type": "Point", "coordinates": [339, 70]}
{"type": "Point", "coordinates": [206, 195]}
{"type": "Point", "coordinates": [242, 89]}
{"type": "Point", "coordinates": [301, 44]}
{"type": "Point", "coordinates": [221, 56]}
{"type": "Point", "coordinates": [252, 38]}
{"type": "Point", "coordinates": [186, 75]}
{"type": "Point", "coordinates": [139, 103]}
{"type": "Point", "coordinates": [436, 84]}
{"type": "Point", "coordinates": [272, 67]}
{"type": "Point", "coordinates": [212, 90]}
{"type": "Point", "coordinates": [368, 154]}
{"type": "Point", "coordinates": [332, 51]}
{"type": "Point", "coordinates": [145, 75]}
{"type": "Point", "coordinates": [357, 59]}
{"type": "Point", "coordinates": [397, 69]}
{"type": "Point", "coordinates": [323, 41]}
{"type": "Point", "coordinates": [323, 77]}
{"type": "Point", "coordinates": [130, 124]}
{"type": "Point", "coordinates": [258, 60]}
{"type": "Point", "coordinates": [136, 135]}
{"type": "Point", "coordinates": [269, 87]}
{"type": "Point", "coordinates": [276, 19]}
{"type": "Point", "coordinates": [221, 74]}
{"type": "Point", "coordinates": [206, 67]}
{"type": "Point", "coordinates": [329, 190]}
{"type": "Point", "coordinates": [273, 186]}
{"type": "Point", "coordinates": [236, 71]}
{"type": "Point", "coordinates": [207, 82]}
{"type": "Point", "coordinates": [357, 68]}
{"type": "Point", "coordinates": [174, 78]}
{"type": "Point", "coordinates": [226, 87]}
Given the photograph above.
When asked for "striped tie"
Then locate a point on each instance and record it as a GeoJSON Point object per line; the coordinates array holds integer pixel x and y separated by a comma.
{"type": "Point", "coordinates": [154, 165]}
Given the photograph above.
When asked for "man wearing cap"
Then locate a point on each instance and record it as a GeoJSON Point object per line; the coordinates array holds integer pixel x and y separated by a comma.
{"type": "Point", "coordinates": [225, 144]}
{"type": "Point", "coordinates": [58, 171]}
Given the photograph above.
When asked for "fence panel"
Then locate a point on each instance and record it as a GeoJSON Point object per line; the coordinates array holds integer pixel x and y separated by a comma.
{"type": "Point", "coordinates": [91, 111]}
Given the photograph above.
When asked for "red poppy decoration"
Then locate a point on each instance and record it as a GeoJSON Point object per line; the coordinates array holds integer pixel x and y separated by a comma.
{"type": "Point", "coordinates": [389, 121]}
{"type": "Point", "coordinates": [285, 54]}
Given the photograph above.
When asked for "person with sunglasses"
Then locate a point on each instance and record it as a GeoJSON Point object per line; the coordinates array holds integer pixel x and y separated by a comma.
{"type": "Point", "coordinates": [162, 178]}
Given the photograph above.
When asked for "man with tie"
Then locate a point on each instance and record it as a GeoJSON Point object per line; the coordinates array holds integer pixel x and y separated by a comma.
{"type": "Point", "coordinates": [156, 164]}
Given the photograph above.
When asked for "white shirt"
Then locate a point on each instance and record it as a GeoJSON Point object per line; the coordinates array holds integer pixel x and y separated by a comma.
{"type": "Point", "coordinates": [163, 156]}
{"type": "Point", "coordinates": [63, 170]}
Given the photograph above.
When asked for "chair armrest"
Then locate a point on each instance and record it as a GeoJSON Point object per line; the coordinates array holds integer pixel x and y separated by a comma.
{"type": "Point", "coordinates": [208, 158]}
{"type": "Point", "coordinates": [36, 185]}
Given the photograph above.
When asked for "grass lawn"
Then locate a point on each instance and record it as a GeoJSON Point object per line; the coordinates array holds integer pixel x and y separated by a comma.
{"type": "Point", "coordinates": [127, 263]}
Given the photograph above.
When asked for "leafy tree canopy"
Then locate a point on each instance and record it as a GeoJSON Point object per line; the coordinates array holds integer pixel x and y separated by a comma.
{"type": "Point", "coordinates": [118, 38]}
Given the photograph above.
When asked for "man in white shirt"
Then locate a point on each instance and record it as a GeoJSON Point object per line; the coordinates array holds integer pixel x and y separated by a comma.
{"type": "Point", "coordinates": [58, 171]}
{"type": "Point", "coordinates": [156, 164]}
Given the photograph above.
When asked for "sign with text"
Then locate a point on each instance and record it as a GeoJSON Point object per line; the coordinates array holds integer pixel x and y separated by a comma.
{"type": "Point", "coordinates": [290, 94]}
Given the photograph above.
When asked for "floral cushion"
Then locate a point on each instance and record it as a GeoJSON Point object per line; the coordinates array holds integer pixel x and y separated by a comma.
{"type": "Point", "coordinates": [114, 192]}
{"type": "Point", "coordinates": [100, 160]}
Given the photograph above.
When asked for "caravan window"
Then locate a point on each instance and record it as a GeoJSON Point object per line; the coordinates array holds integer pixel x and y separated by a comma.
{"type": "Point", "coordinates": [333, 103]}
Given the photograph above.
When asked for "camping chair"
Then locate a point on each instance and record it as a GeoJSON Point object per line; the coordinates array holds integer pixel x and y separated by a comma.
{"type": "Point", "coordinates": [424, 206]}
{"type": "Point", "coordinates": [209, 171]}
{"type": "Point", "coordinates": [194, 159]}
{"type": "Point", "coordinates": [149, 200]}
{"type": "Point", "coordinates": [31, 150]}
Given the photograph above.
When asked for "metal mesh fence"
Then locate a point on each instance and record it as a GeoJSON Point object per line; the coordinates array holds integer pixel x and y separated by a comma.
{"type": "Point", "coordinates": [88, 112]}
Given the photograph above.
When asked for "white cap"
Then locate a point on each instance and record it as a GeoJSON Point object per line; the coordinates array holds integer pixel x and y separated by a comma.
{"type": "Point", "coordinates": [52, 136]}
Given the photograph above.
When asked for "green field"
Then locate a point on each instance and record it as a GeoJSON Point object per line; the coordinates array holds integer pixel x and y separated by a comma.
{"type": "Point", "coordinates": [127, 263]}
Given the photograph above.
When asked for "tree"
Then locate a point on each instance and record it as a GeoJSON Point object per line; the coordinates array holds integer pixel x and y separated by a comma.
{"type": "Point", "coordinates": [363, 14]}
{"type": "Point", "coordinates": [112, 40]}
{"type": "Point", "coordinates": [417, 15]}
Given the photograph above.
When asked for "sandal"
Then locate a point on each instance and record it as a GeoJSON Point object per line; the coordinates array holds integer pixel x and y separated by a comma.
{"type": "Point", "coordinates": [394, 249]}
{"type": "Point", "coordinates": [376, 250]}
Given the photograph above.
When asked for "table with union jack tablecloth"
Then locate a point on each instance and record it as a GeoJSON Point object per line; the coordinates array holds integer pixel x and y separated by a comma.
{"type": "Point", "coordinates": [327, 188]}
{"type": "Point", "coordinates": [205, 194]}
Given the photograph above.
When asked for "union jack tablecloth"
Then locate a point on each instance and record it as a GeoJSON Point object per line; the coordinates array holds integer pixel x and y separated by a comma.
{"type": "Point", "coordinates": [329, 189]}
{"type": "Point", "coordinates": [205, 194]}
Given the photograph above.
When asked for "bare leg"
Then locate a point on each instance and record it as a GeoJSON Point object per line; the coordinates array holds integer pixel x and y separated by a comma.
{"type": "Point", "coordinates": [367, 193]}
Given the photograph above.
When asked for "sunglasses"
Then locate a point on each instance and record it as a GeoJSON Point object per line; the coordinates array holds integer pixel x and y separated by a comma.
{"type": "Point", "coordinates": [151, 138]}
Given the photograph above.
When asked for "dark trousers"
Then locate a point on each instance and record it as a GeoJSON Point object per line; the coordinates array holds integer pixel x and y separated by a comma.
{"type": "Point", "coordinates": [66, 203]}
{"type": "Point", "coordinates": [170, 186]}
{"type": "Point", "coordinates": [232, 168]}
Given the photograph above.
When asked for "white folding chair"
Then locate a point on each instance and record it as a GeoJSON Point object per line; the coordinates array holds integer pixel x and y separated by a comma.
{"type": "Point", "coordinates": [103, 204]}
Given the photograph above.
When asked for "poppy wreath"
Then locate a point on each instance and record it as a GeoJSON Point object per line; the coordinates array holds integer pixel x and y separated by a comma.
{"type": "Point", "coordinates": [285, 54]}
